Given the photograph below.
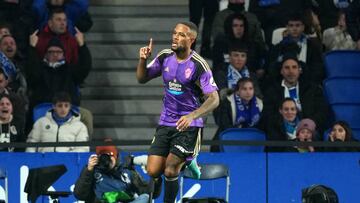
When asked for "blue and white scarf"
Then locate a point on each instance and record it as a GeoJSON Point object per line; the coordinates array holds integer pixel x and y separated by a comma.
{"type": "Point", "coordinates": [301, 42]}
{"type": "Point", "coordinates": [56, 64]}
{"type": "Point", "coordinates": [247, 115]}
{"type": "Point", "coordinates": [290, 128]}
{"type": "Point", "coordinates": [234, 75]}
{"type": "Point", "coordinates": [60, 121]}
{"type": "Point", "coordinates": [8, 67]}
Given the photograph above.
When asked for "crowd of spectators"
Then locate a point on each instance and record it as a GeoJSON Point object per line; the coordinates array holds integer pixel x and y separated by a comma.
{"type": "Point", "coordinates": [269, 86]}
{"type": "Point", "coordinates": [44, 61]}
{"type": "Point", "coordinates": [284, 77]}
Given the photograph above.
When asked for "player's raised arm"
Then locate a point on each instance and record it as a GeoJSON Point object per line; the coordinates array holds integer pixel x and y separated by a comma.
{"type": "Point", "coordinates": [144, 54]}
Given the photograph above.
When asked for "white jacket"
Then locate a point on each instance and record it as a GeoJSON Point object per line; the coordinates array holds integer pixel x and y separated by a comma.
{"type": "Point", "coordinates": [47, 130]}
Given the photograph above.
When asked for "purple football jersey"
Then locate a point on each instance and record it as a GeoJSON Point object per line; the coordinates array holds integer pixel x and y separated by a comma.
{"type": "Point", "coordinates": [185, 84]}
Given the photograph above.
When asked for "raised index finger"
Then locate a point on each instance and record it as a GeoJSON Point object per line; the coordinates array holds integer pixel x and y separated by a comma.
{"type": "Point", "coordinates": [150, 43]}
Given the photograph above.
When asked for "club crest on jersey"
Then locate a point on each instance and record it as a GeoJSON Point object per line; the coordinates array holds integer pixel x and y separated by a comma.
{"type": "Point", "coordinates": [187, 73]}
{"type": "Point", "coordinates": [166, 69]}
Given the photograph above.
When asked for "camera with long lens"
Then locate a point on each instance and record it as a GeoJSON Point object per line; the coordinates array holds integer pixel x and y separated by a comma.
{"type": "Point", "coordinates": [104, 162]}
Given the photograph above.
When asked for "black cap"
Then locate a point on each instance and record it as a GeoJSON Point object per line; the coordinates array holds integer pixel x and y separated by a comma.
{"type": "Point", "coordinates": [55, 42]}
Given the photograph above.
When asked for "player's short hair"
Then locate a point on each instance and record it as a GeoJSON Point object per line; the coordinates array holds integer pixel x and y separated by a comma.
{"type": "Point", "coordinates": [192, 26]}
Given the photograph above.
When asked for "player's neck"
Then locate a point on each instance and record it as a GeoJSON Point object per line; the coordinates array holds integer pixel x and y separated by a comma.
{"type": "Point", "coordinates": [181, 56]}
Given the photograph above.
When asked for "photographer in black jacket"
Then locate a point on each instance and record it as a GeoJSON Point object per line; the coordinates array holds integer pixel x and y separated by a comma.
{"type": "Point", "coordinates": [105, 180]}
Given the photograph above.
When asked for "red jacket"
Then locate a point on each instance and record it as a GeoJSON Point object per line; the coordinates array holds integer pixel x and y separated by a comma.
{"type": "Point", "coordinates": [70, 45]}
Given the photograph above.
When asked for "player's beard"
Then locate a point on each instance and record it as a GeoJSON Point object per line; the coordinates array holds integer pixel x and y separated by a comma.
{"type": "Point", "coordinates": [179, 49]}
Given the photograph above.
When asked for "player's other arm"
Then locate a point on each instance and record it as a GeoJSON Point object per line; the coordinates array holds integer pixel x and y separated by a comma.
{"type": "Point", "coordinates": [211, 102]}
{"type": "Point", "coordinates": [141, 71]}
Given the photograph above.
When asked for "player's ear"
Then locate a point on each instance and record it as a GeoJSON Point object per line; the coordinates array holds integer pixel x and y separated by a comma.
{"type": "Point", "coordinates": [192, 39]}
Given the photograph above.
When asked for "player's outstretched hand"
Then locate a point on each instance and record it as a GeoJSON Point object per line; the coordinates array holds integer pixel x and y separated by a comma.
{"type": "Point", "coordinates": [184, 122]}
{"type": "Point", "coordinates": [145, 52]}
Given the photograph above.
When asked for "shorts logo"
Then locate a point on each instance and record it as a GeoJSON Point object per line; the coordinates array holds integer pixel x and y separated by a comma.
{"type": "Point", "coordinates": [187, 73]}
{"type": "Point", "coordinates": [182, 149]}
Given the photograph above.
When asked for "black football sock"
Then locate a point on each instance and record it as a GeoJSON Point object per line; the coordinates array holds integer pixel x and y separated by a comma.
{"type": "Point", "coordinates": [171, 189]}
{"type": "Point", "coordinates": [157, 187]}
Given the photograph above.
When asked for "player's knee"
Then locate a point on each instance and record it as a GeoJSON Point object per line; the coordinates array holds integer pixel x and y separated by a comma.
{"type": "Point", "coordinates": [153, 172]}
{"type": "Point", "coordinates": [170, 171]}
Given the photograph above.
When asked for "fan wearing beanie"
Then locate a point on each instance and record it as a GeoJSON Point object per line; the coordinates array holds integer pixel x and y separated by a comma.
{"type": "Point", "coordinates": [305, 132]}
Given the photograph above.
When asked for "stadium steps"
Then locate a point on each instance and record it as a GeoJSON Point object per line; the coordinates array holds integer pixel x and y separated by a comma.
{"type": "Point", "coordinates": [122, 108]}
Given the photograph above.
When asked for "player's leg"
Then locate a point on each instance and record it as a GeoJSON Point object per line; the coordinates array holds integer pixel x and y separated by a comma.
{"type": "Point", "coordinates": [155, 168]}
{"type": "Point", "coordinates": [158, 152]}
{"type": "Point", "coordinates": [155, 165]}
{"type": "Point", "coordinates": [171, 173]}
{"type": "Point", "coordinates": [183, 144]}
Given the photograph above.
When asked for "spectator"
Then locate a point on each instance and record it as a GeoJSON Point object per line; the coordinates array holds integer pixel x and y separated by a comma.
{"type": "Point", "coordinates": [60, 124]}
{"type": "Point", "coordinates": [282, 126]}
{"type": "Point", "coordinates": [208, 8]}
{"type": "Point", "coordinates": [308, 97]}
{"type": "Point", "coordinates": [104, 177]}
{"type": "Point", "coordinates": [18, 103]}
{"type": "Point", "coordinates": [54, 73]}
{"type": "Point", "coordinates": [236, 30]}
{"type": "Point", "coordinates": [75, 10]}
{"type": "Point", "coordinates": [242, 109]}
{"type": "Point", "coordinates": [338, 38]}
{"type": "Point", "coordinates": [328, 11]}
{"type": "Point", "coordinates": [226, 78]}
{"type": "Point", "coordinates": [353, 21]}
{"type": "Point", "coordinates": [12, 64]}
{"type": "Point", "coordinates": [11, 130]}
{"type": "Point", "coordinates": [310, 51]}
{"type": "Point", "coordinates": [305, 132]}
{"type": "Point", "coordinates": [237, 6]}
{"type": "Point", "coordinates": [341, 132]}
{"type": "Point", "coordinates": [57, 27]}
{"type": "Point", "coordinates": [273, 14]}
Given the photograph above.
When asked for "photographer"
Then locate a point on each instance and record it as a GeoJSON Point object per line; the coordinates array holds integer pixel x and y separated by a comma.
{"type": "Point", "coordinates": [105, 180]}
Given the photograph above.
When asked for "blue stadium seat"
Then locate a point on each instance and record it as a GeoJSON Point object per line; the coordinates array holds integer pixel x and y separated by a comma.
{"type": "Point", "coordinates": [342, 64]}
{"type": "Point", "coordinates": [342, 90]}
{"type": "Point", "coordinates": [208, 172]}
{"type": "Point", "coordinates": [242, 134]}
{"type": "Point", "coordinates": [356, 133]}
{"type": "Point", "coordinates": [349, 113]}
{"type": "Point", "coordinates": [40, 110]}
